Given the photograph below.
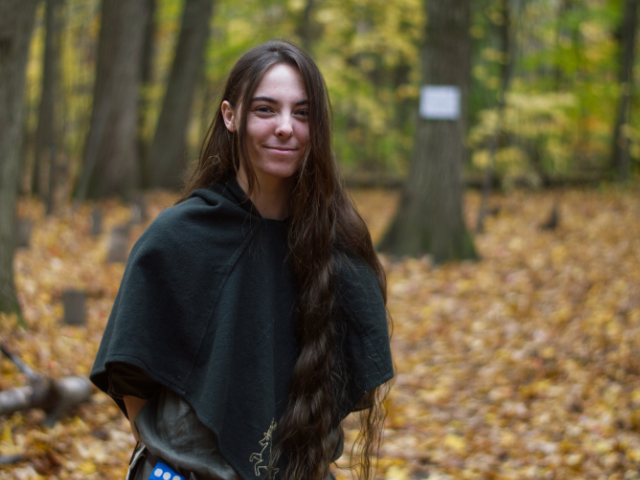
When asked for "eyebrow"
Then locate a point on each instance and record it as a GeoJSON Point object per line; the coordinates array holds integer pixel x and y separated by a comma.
{"type": "Point", "coordinates": [271, 100]}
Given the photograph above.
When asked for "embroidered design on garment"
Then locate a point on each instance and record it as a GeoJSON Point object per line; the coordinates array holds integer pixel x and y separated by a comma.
{"type": "Point", "coordinates": [266, 441]}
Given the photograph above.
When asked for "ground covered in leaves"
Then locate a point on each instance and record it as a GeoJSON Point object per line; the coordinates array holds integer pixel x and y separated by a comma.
{"type": "Point", "coordinates": [525, 364]}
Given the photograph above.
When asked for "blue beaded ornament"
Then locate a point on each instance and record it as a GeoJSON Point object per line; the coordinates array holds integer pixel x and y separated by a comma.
{"type": "Point", "coordinates": [162, 471]}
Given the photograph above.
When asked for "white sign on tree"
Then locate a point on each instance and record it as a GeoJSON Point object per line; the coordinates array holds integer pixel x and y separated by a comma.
{"type": "Point", "coordinates": [440, 102]}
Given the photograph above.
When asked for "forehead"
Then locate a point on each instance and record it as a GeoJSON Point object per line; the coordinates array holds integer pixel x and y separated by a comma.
{"type": "Point", "coordinates": [284, 81]}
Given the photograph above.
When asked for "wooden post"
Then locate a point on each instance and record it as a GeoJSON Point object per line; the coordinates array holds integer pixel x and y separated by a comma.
{"type": "Point", "coordinates": [96, 221]}
{"type": "Point", "coordinates": [118, 244]}
{"type": "Point", "coordinates": [138, 209]}
{"type": "Point", "coordinates": [75, 311]}
{"type": "Point", "coordinates": [24, 232]}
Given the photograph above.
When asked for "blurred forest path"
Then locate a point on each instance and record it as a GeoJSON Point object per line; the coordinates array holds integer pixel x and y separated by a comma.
{"type": "Point", "coordinates": [521, 365]}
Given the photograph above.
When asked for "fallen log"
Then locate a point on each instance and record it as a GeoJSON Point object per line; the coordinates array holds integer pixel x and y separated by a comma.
{"type": "Point", "coordinates": [55, 397]}
{"type": "Point", "coordinates": [67, 393]}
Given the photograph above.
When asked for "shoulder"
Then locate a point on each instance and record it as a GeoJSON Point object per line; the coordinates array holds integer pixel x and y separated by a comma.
{"type": "Point", "coordinates": [204, 209]}
{"type": "Point", "coordinates": [206, 218]}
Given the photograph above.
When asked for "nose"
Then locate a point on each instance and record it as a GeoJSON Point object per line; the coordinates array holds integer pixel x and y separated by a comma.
{"type": "Point", "coordinates": [284, 128]}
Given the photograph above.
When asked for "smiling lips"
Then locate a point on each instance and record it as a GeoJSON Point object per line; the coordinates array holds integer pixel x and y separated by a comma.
{"type": "Point", "coordinates": [283, 150]}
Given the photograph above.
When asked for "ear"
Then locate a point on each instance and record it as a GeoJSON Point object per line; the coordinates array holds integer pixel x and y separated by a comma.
{"type": "Point", "coordinates": [229, 116]}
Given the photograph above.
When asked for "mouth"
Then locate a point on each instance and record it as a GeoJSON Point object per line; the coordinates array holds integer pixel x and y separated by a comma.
{"type": "Point", "coordinates": [281, 149]}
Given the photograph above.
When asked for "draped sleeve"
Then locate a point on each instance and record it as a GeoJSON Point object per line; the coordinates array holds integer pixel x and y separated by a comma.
{"type": "Point", "coordinates": [366, 360]}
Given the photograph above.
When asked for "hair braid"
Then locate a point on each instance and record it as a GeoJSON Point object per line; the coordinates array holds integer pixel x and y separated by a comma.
{"type": "Point", "coordinates": [305, 426]}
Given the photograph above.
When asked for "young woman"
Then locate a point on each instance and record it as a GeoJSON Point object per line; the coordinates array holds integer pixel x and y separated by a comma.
{"type": "Point", "coordinates": [251, 316]}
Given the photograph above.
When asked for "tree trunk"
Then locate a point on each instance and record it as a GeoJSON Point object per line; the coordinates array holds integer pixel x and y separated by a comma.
{"type": "Point", "coordinates": [306, 26]}
{"type": "Point", "coordinates": [146, 78]}
{"type": "Point", "coordinates": [429, 219]}
{"type": "Point", "coordinates": [16, 25]}
{"type": "Point", "coordinates": [110, 163]}
{"type": "Point", "coordinates": [167, 152]}
{"type": "Point", "coordinates": [148, 44]}
{"type": "Point", "coordinates": [47, 133]}
{"type": "Point", "coordinates": [507, 64]}
{"type": "Point", "coordinates": [564, 8]}
{"type": "Point", "coordinates": [620, 143]}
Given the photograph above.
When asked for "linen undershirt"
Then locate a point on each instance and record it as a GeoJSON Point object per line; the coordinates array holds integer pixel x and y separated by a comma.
{"type": "Point", "coordinates": [170, 429]}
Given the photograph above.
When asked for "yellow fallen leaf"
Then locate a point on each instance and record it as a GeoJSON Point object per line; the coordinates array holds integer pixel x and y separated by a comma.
{"type": "Point", "coordinates": [87, 467]}
{"type": "Point", "coordinates": [395, 472]}
{"type": "Point", "coordinates": [7, 438]}
{"type": "Point", "coordinates": [455, 442]}
{"type": "Point", "coordinates": [633, 454]}
{"type": "Point", "coordinates": [574, 459]}
{"type": "Point", "coordinates": [548, 353]}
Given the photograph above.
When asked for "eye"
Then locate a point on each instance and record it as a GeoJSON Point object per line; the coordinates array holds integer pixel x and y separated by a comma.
{"type": "Point", "coordinates": [263, 109]}
{"type": "Point", "coordinates": [303, 113]}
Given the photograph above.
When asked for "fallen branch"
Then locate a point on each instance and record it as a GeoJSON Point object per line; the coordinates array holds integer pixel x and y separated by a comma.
{"type": "Point", "coordinates": [23, 367]}
{"type": "Point", "coordinates": [55, 397]}
{"type": "Point", "coordinates": [10, 459]}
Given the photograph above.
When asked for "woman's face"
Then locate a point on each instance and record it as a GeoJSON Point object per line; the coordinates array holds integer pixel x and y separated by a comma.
{"type": "Point", "coordinates": [277, 132]}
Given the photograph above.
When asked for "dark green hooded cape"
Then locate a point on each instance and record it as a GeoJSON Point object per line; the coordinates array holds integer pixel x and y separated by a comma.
{"type": "Point", "coordinates": [206, 308]}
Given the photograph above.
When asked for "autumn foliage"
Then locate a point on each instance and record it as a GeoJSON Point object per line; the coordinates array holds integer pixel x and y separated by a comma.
{"type": "Point", "coordinates": [522, 365]}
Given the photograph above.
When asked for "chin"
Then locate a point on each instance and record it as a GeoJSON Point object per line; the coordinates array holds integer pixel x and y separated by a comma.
{"type": "Point", "coordinates": [282, 175]}
{"type": "Point", "coordinates": [283, 172]}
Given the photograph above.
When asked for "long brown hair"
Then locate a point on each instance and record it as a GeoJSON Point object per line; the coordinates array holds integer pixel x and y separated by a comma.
{"type": "Point", "coordinates": [323, 225]}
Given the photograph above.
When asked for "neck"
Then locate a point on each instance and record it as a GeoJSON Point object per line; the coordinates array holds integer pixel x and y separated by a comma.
{"type": "Point", "coordinates": [270, 195]}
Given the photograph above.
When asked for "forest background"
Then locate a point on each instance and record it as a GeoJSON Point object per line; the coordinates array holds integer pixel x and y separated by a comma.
{"type": "Point", "coordinates": [521, 365]}
{"type": "Point", "coordinates": [561, 108]}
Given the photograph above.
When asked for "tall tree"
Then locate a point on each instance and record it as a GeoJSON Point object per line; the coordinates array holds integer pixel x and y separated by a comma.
{"type": "Point", "coordinates": [564, 8]}
{"type": "Point", "coordinates": [306, 26]}
{"type": "Point", "coordinates": [48, 130]}
{"type": "Point", "coordinates": [16, 25]}
{"type": "Point", "coordinates": [110, 163]}
{"type": "Point", "coordinates": [429, 218]}
{"type": "Point", "coordinates": [506, 64]}
{"type": "Point", "coordinates": [144, 100]}
{"type": "Point", "coordinates": [165, 162]}
{"type": "Point", "coordinates": [620, 141]}
{"type": "Point", "coordinates": [149, 43]}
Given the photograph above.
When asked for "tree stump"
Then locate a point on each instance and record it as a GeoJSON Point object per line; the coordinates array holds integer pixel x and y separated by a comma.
{"type": "Point", "coordinates": [23, 236]}
{"type": "Point", "coordinates": [118, 244]}
{"type": "Point", "coordinates": [75, 311]}
{"type": "Point", "coordinates": [96, 221]}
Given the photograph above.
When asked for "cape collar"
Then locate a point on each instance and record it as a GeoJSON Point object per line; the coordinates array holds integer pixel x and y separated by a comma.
{"type": "Point", "coordinates": [234, 192]}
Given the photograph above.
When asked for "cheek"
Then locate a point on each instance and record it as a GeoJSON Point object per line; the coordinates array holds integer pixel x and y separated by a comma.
{"type": "Point", "coordinates": [257, 129]}
{"type": "Point", "coordinates": [303, 134]}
